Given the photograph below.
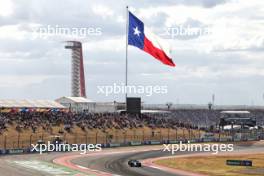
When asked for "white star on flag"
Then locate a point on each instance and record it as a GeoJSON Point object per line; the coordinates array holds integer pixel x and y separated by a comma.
{"type": "Point", "coordinates": [136, 31]}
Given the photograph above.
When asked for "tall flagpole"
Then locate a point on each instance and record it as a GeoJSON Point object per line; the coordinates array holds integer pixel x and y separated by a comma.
{"type": "Point", "coordinates": [126, 45]}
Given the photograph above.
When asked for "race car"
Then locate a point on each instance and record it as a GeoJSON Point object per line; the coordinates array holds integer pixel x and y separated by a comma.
{"type": "Point", "coordinates": [134, 163]}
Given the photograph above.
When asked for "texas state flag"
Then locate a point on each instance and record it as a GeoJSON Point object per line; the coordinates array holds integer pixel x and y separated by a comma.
{"type": "Point", "coordinates": [144, 39]}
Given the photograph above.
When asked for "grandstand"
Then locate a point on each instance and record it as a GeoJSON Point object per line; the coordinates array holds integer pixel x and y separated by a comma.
{"type": "Point", "coordinates": [202, 106]}
{"type": "Point", "coordinates": [23, 128]}
{"type": "Point", "coordinates": [26, 121]}
{"type": "Point", "coordinates": [241, 118]}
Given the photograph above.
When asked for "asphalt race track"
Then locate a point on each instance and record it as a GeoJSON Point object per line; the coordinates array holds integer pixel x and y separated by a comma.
{"type": "Point", "coordinates": [109, 162]}
{"type": "Point", "coordinates": [117, 164]}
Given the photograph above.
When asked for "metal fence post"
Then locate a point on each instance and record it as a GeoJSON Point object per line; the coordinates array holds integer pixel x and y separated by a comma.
{"type": "Point", "coordinates": [143, 135]}
{"type": "Point", "coordinates": [116, 136]}
{"type": "Point", "coordinates": [5, 142]}
{"type": "Point", "coordinates": [96, 137]}
{"type": "Point", "coordinates": [30, 140]}
{"type": "Point", "coordinates": [168, 137]}
{"type": "Point", "coordinates": [106, 138]}
{"type": "Point", "coordinates": [124, 134]}
{"type": "Point", "coordinates": [183, 130]}
{"type": "Point", "coordinates": [176, 133]}
{"type": "Point", "coordinates": [160, 135]}
{"type": "Point", "coordinates": [18, 139]}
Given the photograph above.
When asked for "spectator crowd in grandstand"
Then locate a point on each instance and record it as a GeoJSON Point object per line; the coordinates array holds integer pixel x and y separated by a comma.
{"type": "Point", "coordinates": [179, 118]}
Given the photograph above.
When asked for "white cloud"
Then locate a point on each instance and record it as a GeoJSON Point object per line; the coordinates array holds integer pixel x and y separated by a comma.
{"type": "Point", "coordinates": [116, 44]}
{"type": "Point", "coordinates": [24, 80]}
{"type": "Point", "coordinates": [6, 8]}
{"type": "Point", "coordinates": [232, 24]}
{"type": "Point", "coordinates": [12, 32]}
{"type": "Point", "coordinates": [102, 10]}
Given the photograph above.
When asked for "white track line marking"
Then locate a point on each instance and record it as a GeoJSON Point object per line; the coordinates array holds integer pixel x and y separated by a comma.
{"type": "Point", "coordinates": [82, 167]}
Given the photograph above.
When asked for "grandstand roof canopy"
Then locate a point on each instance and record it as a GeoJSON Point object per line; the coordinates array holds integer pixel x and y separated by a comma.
{"type": "Point", "coordinates": [30, 104]}
{"type": "Point", "coordinates": [235, 112]}
{"type": "Point", "coordinates": [75, 99]}
{"type": "Point", "coordinates": [154, 111]}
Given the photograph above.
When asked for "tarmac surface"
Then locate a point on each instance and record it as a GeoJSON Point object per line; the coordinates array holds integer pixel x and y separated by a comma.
{"type": "Point", "coordinates": [108, 162]}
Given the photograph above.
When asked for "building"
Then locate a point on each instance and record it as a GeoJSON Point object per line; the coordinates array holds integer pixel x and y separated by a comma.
{"type": "Point", "coordinates": [81, 104]}
{"type": "Point", "coordinates": [76, 104]}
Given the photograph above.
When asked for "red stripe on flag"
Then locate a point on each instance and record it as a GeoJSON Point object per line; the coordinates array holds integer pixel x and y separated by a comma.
{"type": "Point", "coordinates": [157, 53]}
